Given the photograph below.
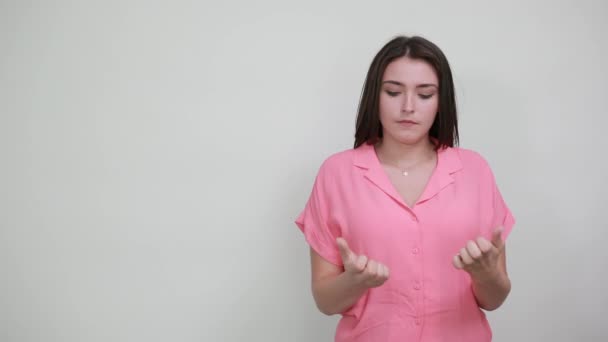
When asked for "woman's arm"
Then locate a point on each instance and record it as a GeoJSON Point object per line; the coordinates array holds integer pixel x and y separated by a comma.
{"type": "Point", "coordinates": [333, 289]}
{"type": "Point", "coordinates": [336, 289]}
{"type": "Point", "coordinates": [486, 262]}
{"type": "Point", "coordinates": [491, 290]}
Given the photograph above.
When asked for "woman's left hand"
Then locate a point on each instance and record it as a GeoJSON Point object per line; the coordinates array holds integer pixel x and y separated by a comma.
{"type": "Point", "coordinates": [480, 258]}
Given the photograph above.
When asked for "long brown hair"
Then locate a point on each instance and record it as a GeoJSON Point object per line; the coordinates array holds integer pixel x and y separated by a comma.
{"type": "Point", "coordinates": [445, 127]}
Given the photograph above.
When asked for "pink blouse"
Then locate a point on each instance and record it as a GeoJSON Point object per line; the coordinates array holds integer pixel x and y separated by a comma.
{"type": "Point", "coordinates": [425, 298]}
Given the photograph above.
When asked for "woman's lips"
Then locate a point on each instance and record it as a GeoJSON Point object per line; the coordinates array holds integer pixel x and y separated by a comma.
{"type": "Point", "coordinates": [407, 123]}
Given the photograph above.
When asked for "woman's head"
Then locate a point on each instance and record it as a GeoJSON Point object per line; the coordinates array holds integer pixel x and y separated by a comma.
{"type": "Point", "coordinates": [408, 96]}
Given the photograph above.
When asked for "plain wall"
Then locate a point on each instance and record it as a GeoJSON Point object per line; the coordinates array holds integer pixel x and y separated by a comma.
{"type": "Point", "coordinates": [154, 155]}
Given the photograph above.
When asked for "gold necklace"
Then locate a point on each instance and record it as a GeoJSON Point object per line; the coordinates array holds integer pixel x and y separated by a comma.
{"type": "Point", "coordinates": [406, 171]}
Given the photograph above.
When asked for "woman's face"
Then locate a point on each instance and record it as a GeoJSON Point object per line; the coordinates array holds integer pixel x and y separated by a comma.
{"type": "Point", "coordinates": [409, 100]}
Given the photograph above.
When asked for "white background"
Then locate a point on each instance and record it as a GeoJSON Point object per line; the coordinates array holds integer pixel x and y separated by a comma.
{"type": "Point", "coordinates": [154, 155]}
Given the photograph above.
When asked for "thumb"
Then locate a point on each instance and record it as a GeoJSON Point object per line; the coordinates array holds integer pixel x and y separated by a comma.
{"type": "Point", "coordinates": [345, 252]}
{"type": "Point", "coordinates": [497, 240]}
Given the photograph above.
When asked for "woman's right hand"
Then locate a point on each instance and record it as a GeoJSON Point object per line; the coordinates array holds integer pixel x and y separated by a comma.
{"type": "Point", "coordinates": [368, 273]}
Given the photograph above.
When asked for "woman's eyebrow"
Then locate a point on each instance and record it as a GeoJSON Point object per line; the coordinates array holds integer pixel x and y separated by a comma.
{"type": "Point", "coordinates": [393, 82]}
{"type": "Point", "coordinates": [424, 85]}
{"type": "Point", "coordinates": [427, 85]}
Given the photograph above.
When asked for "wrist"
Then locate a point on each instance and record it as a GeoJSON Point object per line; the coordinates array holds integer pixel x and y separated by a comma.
{"type": "Point", "coordinates": [492, 277]}
{"type": "Point", "coordinates": [354, 281]}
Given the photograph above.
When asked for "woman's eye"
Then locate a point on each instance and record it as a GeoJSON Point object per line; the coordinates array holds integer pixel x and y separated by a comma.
{"type": "Point", "coordinates": [392, 93]}
{"type": "Point", "coordinates": [425, 96]}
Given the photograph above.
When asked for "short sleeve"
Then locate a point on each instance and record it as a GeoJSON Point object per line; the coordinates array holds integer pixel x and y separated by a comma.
{"type": "Point", "coordinates": [313, 221]}
{"type": "Point", "coordinates": [501, 214]}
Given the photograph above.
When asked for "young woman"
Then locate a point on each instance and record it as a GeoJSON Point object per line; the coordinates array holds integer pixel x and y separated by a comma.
{"type": "Point", "coordinates": [407, 231]}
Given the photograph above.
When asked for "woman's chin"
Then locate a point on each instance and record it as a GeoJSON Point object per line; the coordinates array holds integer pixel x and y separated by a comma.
{"type": "Point", "coordinates": [410, 139]}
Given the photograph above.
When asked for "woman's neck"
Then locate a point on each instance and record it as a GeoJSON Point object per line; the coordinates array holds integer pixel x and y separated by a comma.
{"type": "Point", "coordinates": [398, 154]}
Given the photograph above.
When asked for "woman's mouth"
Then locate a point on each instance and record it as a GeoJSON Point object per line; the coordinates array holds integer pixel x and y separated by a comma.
{"type": "Point", "coordinates": [407, 123]}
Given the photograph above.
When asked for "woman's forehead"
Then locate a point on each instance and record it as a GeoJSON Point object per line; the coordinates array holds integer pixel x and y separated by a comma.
{"type": "Point", "coordinates": [410, 71]}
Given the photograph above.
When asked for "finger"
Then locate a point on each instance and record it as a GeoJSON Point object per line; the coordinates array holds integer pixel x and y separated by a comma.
{"type": "Point", "coordinates": [372, 269]}
{"type": "Point", "coordinates": [347, 255]}
{"type": "Point", "coordinates": [484, 245]}
{"type": "Point", "coordinates": [473, 250]}
{"type": "Point", "coordinates": [497, 240]}
{"type": "Point", "coordinates": [466, 258]}
{"type": "Point", "coordinates": [382, 272]}
{"type": "Point", "coordinates": [379, 277]}
{"type": "Point", "coordinates": [361, 263]}
{"type": "Point", "coordinates": [385, 273]}
{"type": "Point", "coordinates": [457, 262]}
{"type": "Point", "coordinates": [379, 271]}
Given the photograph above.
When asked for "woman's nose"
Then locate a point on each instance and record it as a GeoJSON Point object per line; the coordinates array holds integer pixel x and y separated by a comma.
{"type": "Point", "coordinates": [408, 103]}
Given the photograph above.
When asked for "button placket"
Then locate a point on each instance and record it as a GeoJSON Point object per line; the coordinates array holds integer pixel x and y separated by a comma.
{"type": "Point", "coordinates": [417, 284]}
